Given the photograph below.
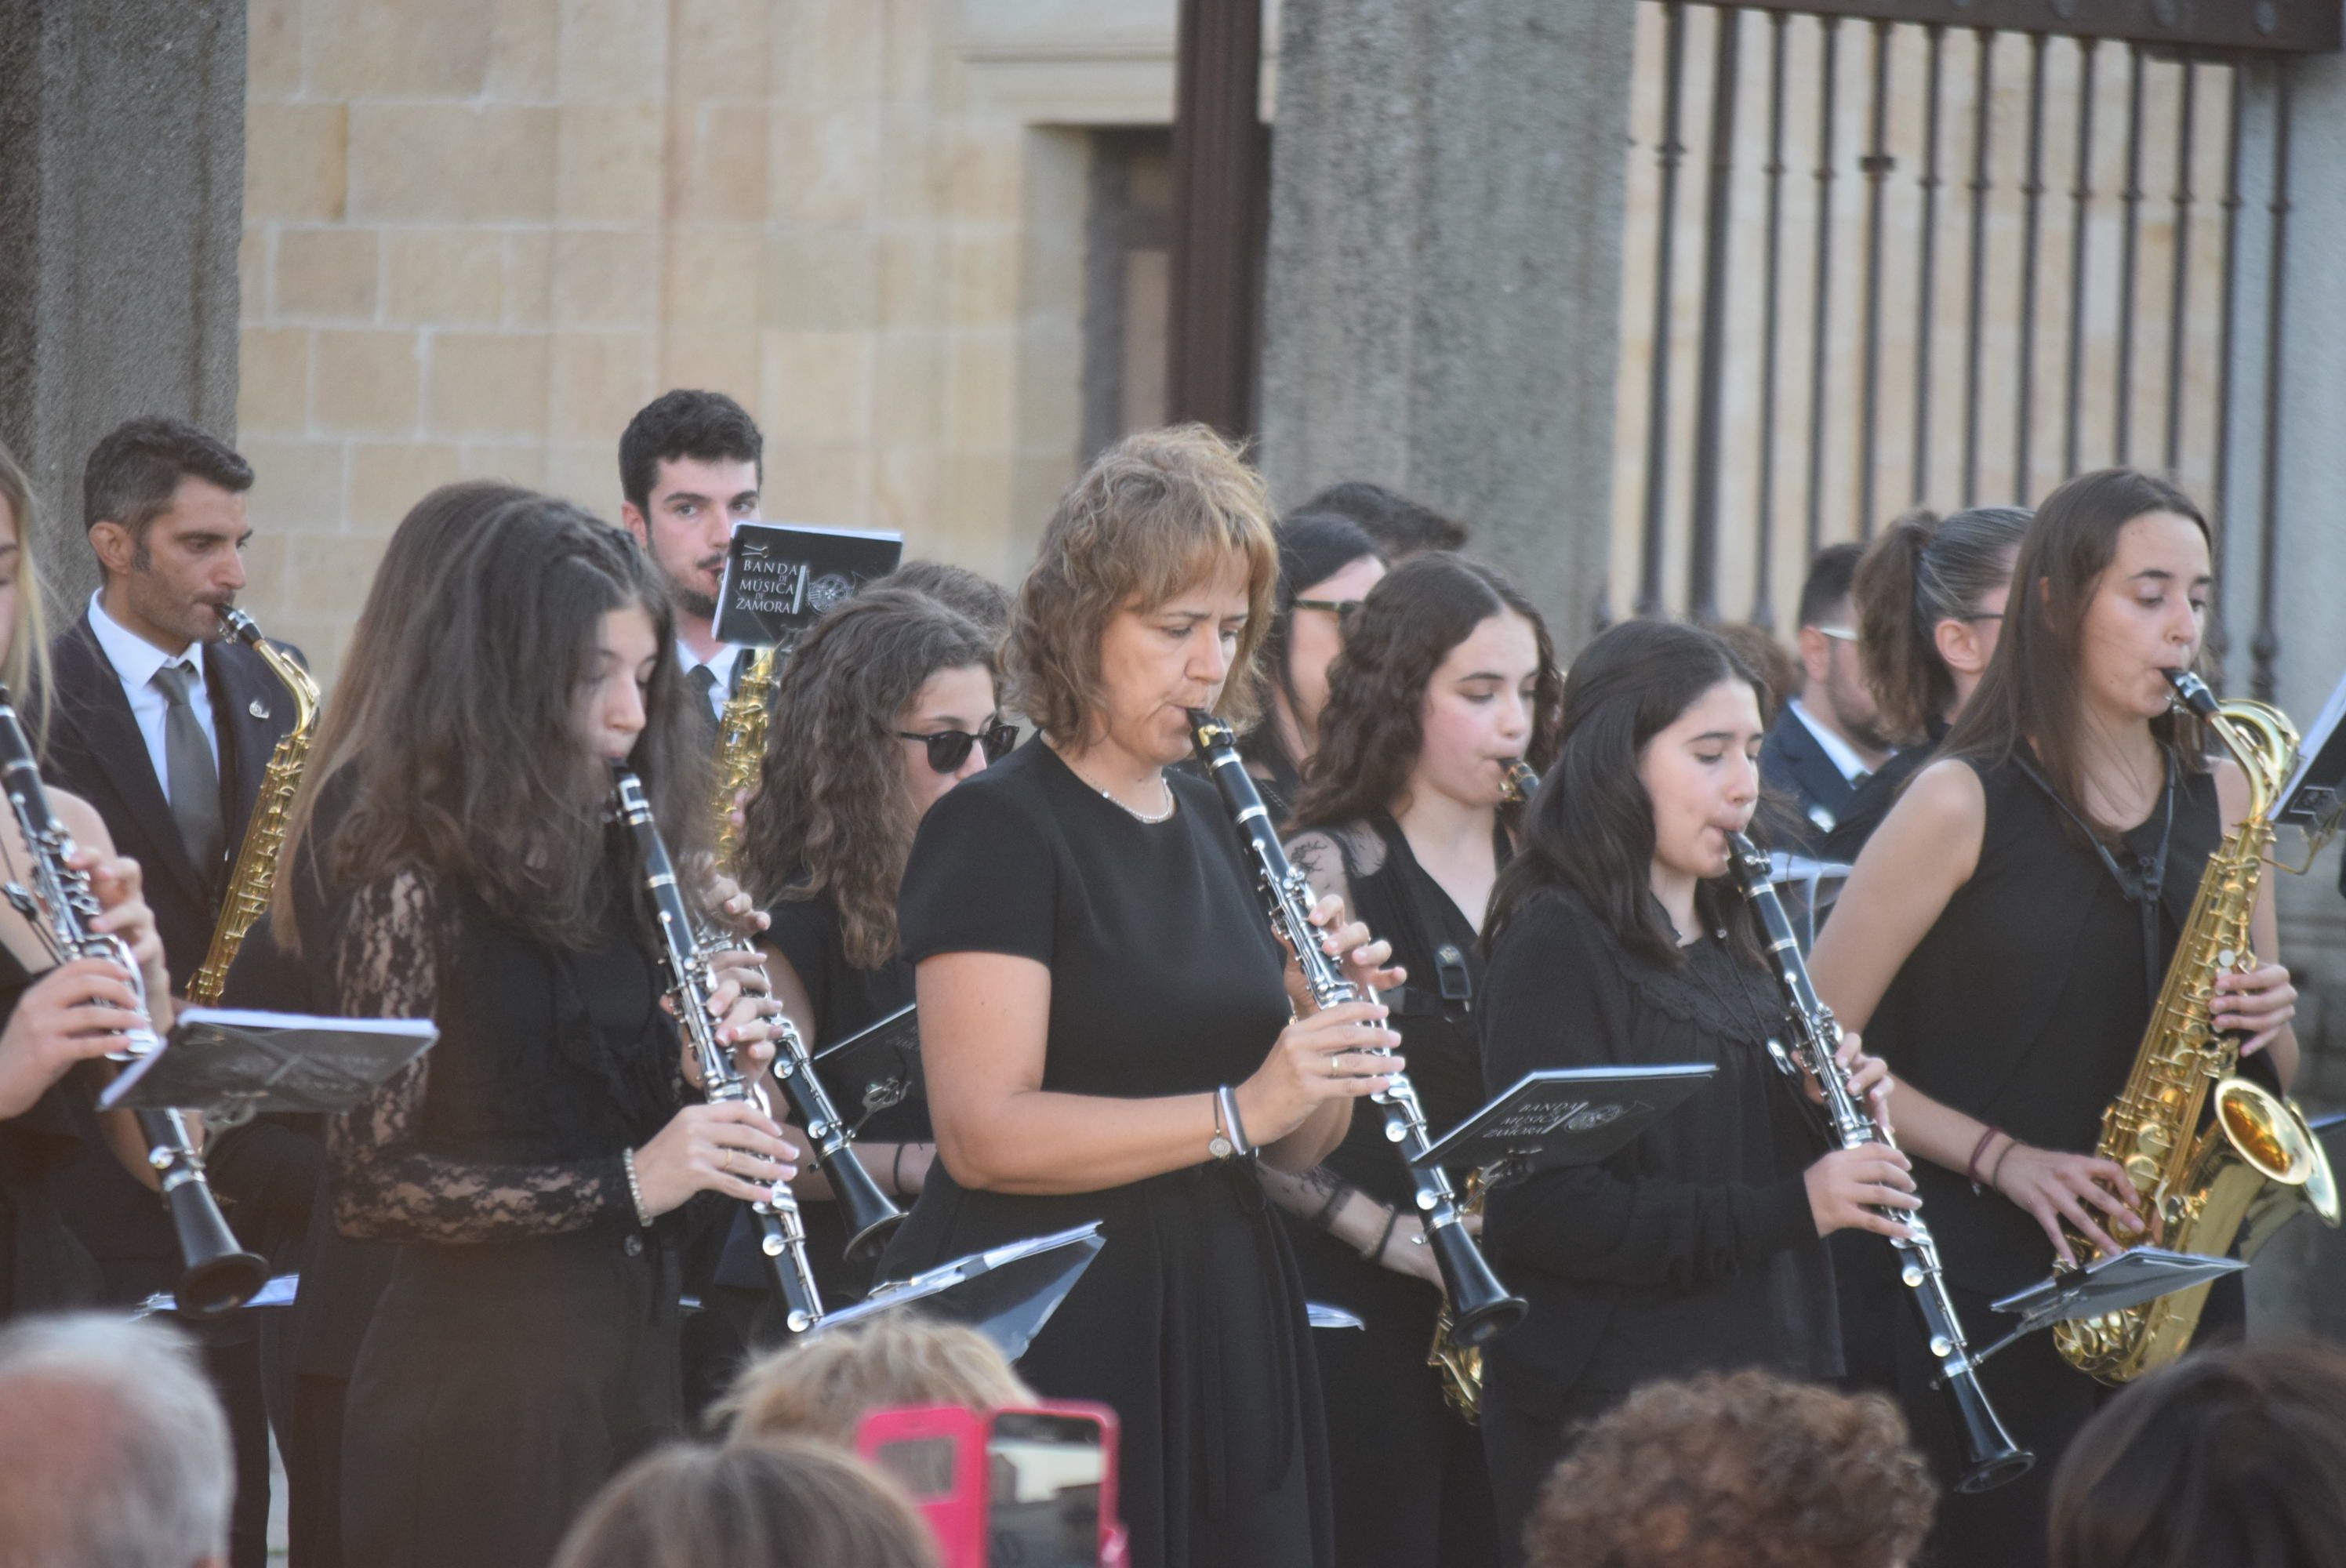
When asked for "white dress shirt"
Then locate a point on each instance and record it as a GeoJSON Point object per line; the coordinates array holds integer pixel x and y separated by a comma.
{"type": "Point", "coordinates": [1854, 767]}
{"type": "Point", "coordinates": [721, 663]}
{"type": "Point", "coordinates": [136, 660]}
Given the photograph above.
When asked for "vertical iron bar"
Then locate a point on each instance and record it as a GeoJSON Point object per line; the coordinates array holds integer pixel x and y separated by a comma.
{"type": "Point", "coordinates": [2130, 200]}
{"type": "Point", "coordinates": [1821, 322]}
{"type": "Point", "coordinates": [1657, 406]}
{"type": "Point", "coordinates": [1764, 610]}
{"type": "Point", "coordinates": [2179, 302]}
{"type": "Point", "coordinates": [1702, 554]}
{"type": "Point", "coordinates": [2263, 682]}
{"type": "Point", "coordinates": [2081, 196]}
{"type": "Point", "coordinates": [1877, 170]}
{"type": "Point", "coordinates": [1926, 285]}
{"type": "Point", "coordinates": [2032, 190]}
{"type": "Point", "coordinates": [1983, 93]}
{"type": "Point", "coordinates": [2219, 637]}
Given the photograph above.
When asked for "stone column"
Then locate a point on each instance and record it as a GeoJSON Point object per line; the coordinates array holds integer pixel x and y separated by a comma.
{"type": "Point", "coordinates": [1443, 298]}
{"type": "Point", "coordinates": [121, 196]}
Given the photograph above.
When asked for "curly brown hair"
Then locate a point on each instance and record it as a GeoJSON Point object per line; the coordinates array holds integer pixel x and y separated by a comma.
{"type": "Point", "coordinates": [830, 818]}
{"type": "Point", "coordinates": [1374, 723]}
{"type": "Point", "coordinates": [1154, 513]}
{"type": "Point", "coordinates": [1738, 1470]}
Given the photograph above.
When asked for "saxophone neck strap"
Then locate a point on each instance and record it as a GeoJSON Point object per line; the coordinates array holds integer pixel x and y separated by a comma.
{"type": "Point", "coordinates": [2144, 885]}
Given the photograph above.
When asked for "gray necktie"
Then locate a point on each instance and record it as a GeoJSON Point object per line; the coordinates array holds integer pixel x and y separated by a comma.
{"type": "Point", "coordinates": [703, 678]}
{"type": "Point", "coordinates": [193, 778]}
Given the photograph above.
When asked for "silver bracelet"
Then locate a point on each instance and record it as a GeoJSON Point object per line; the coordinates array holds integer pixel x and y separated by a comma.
{"type": "Point", "coordinates": [1226, 1105]}
{"type": "Point", "coordinates": [635, 1188]}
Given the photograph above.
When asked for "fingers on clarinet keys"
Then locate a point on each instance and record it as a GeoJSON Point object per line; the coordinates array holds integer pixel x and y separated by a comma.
{"type": "Point", "coordinates": [1848, 1188]}
{"type": "Point", "coordinates": [728, 1147]}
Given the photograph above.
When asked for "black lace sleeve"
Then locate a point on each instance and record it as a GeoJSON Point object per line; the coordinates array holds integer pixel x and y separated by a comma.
{"type": "Point", "coordinates": [389, 1183]}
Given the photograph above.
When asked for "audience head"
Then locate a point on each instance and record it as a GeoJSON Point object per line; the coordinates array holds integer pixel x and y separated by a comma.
{"type": "Point", "coordinates": [824, 1385]}
{"type": "Point", "coordinates": [163, 504]}
{"type": "Point", "coordinates": [1326, 565]}
{"type": "Point", "coordinates": [546, 655]}
{"type": "Point", "coordinates": [1745, 1469]}
{"type": "Point", "coordinates": [1657, 756]}
{"type": "Point", "coordinates": [2231, 1457]}
{"type": "Point", "coordinates": [788, 1502]}
{"type": "Point", "coordinates": [691, 464]}
{"type": "Point", "coordinates": [841, 789]}
{"type": "Point", "coordinates": [2110, 591]}
{"type": "Point", "coordinates": [1833, 690]}
{"type": "Point", "coordinates": [982, 599]}
{"type": "Point", "coordinates": [114, 1451]}
{"type": "Point", "coordinates": [24, 621]}
{"type": "Point", "coordinates": [1780, 673]}
{"type": "Point", "coordinates": [1930, 597]}
{"type": "Point", "coordinates": [1446, 675]}
{"type": "Point", "coordinates": [1400, 527]}
{"type": "Point", "coordinates": [1150, 594]}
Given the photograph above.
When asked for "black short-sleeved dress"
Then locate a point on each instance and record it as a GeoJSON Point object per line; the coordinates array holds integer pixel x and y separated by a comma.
{"type": "Point", "coordinates": [1412, 1489]}
{"type": "Point", "coordinates": [526, 1345]}
{"type": "Point", "coordinates": [2041, 1052]}
{"type": "Point", "coordinates": [1692, 1248]}
{"type": "Point", "coordinates": [1165, 980]}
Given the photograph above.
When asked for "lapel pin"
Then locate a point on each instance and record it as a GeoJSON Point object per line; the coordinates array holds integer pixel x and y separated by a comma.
{"type": "Point", "coordinates": [258, 708]}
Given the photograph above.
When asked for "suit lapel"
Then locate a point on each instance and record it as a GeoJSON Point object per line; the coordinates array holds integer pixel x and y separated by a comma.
{"type": "Point", "coordinates": [90, 704]}
{"type": "Point", "coordinates": [251, 712]}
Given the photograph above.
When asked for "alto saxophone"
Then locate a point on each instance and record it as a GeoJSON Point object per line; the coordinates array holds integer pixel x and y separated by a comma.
{"type": "Point", "coordinates": [1461, 1366]}
{"type": "Point", "coordinates": [2256, 1163]}
{"type": "Point", "coordinates": [741, 749]}
{"type": "Point", "coordinates": [255, 874]}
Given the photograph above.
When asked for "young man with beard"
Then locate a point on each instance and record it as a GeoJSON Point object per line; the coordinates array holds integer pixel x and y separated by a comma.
{"type": "Point", "coordinates": [1826, 741]}
{"type": "Point", "coordinates": [691, 465]}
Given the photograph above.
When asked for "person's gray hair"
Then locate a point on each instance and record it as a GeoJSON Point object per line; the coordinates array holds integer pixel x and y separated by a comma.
{"type": "Point", "coordinates": [114, 1449]}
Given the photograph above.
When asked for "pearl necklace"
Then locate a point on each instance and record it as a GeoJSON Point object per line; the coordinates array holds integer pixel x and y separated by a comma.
{"type": "Point", "coordinates": [1134, 812]}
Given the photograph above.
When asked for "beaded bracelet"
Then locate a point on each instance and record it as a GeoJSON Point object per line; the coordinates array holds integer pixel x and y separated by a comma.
{"type": "Point", "coordinates": [635, 1188]}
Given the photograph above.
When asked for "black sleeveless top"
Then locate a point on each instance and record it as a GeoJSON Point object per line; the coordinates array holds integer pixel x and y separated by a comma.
{"type": "Point", "coordinates": [2025, 1003]}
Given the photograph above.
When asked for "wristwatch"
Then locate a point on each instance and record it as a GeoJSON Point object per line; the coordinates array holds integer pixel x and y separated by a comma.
{"type": "Point", "coordinates": [1229, 1142]}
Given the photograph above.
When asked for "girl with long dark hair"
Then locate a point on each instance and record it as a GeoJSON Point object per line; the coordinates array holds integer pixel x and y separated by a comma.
{"type": "Point", "coordinates": [1326, 564]}
{"type": "Point", "coordinates": [1446, 675]}
{"type": "Point", "coordinates": [2005, 930]}
{"type": "Point", "coordinates": [1616, 939]}
{"type": "Point", "coordinates": [1930, 598]}
{"type": "Point", "coordinates": [538, 1162]}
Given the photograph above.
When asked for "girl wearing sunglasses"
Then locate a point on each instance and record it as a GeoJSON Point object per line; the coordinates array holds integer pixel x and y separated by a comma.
{"type": "Point", "coordinates": [1326, 565]}
{"type": "Point", "coordinates": [888, 703]}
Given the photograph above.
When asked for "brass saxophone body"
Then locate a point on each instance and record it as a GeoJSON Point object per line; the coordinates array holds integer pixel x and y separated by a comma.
{"type": "Point", "coordinates": [255, 874]}
{"type": "Point", "coordinates": [2257, 1164]}
{"type": "Point", "coordinates": [741, 749]}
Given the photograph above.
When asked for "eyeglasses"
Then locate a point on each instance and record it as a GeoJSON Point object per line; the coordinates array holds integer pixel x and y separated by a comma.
{"type": "Point", "coordinates": [1343, 609]}
{"type": "Point", "coordinates": [1838, 634]}
{"type": "Point", "coordinates": [949, 749]}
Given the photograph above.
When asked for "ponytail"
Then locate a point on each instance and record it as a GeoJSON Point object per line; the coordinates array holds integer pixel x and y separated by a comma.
{"type": "Point", "coordinates": [1925, 569]}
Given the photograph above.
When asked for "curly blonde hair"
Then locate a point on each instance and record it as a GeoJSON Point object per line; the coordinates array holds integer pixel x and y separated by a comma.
{"type": "Point", "coordinates": [1740, 1470]}
{"type": "Point", "coordinates": [825, 1386]}
{"type": "Point", "coordinates": [1156, 513]}
{"type": "Point", "coordinates": [830, 818]}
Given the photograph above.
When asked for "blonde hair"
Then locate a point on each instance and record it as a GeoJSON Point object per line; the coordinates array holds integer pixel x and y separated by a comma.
{"type": "Point", "coordinates": [1156, 513]}
{"type": "Point", "coordinates": [24, 664]}
{"type": "Point", "coordinates": [824, 1387]}
{"type": "Point", "coordinates": [789, 1503]}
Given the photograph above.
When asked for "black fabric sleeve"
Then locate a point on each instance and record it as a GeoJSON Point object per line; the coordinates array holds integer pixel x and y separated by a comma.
{"type": "Point", "coordinates": [806, 933]}
{"type": "Point", "coordinates": [1556, 997]}
{"type": "Point", "coordinates": [983, 876]}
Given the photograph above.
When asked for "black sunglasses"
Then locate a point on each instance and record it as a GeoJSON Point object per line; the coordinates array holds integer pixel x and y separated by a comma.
{"type": "Point", "coordinates": [949, 749]}
{"type": "Point", "coordinates": [1343, 609]}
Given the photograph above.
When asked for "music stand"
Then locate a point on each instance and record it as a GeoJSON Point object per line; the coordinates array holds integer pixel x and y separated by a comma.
{"type": "Point", "coordinates": [232, 1062]}
{"type": "Point", "coordinates": [2311, 799]}
{"type": "Point", "coordinates": [1326, 1315]}
{"type": "Point", "coordinates": [874, 1068]}
{"type": "Point", "coordinates": [1005, 1293]}
{"type": "Point", "coordinates": [2112, 1284]}
{"type": "Point", "coordinates": [1565, 1117]}
{"type": "Point", "coordinates": [280, 1291]}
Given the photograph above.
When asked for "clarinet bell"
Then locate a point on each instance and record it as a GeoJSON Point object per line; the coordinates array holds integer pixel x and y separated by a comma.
{"type": "Point", "coordinates": [1480, 1307]}
{"type": "Point", "coordinates": [870, 1215]}
{"type": "Point", "coordinates": [220, 1275]}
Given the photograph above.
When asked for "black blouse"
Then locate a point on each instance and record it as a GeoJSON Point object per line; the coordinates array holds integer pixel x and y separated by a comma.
{"type": "Point", "coordinates": [43, 1266]}
{"type": "Point", "coordinates": [844, 999]}
{"type": "Point", "coordinates": [551, 1063]}
{"type": "Point", "coordinates": [1694, 1247]}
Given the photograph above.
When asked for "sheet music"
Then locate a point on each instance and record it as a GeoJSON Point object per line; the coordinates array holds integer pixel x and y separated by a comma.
{"type": "Point", "coordinates": [2316, 740]}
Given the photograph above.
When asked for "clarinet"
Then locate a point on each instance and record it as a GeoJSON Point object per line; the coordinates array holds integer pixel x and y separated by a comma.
{"type": "Point", "coordinates": [1990, 1456]}
{"type": "Point", "coordinates": [1479, 1304]}
{"type": "Point", "coordinates": [217, 1275]}
{"type": "Point", "coordinates": [869, 1213]}
{"type": "Point", "coordinates": [781, 1232]}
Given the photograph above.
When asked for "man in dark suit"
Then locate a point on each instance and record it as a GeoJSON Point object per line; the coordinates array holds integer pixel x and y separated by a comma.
{"type": "Point", "coordinates": [1824, 743]}
{"type": "Point", "coordinates": [166, 730]}
{"type": "Point", "coordinates": [690, 466]}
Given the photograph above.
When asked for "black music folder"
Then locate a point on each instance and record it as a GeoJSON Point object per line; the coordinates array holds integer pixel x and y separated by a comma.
{"type": "Point", "coordinates": [877, 1066]}
{"type": "Point", "coordinates": [2113, 1284]}
{"type": "Point", "coordinates": [1565, 1116]}
{"type": "Point", "coordinates": [1006, 1293]}
{"type": "Point", "coordinates": [232, 1062]}
{"type": "Point", "coordinates": [780, 578]}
